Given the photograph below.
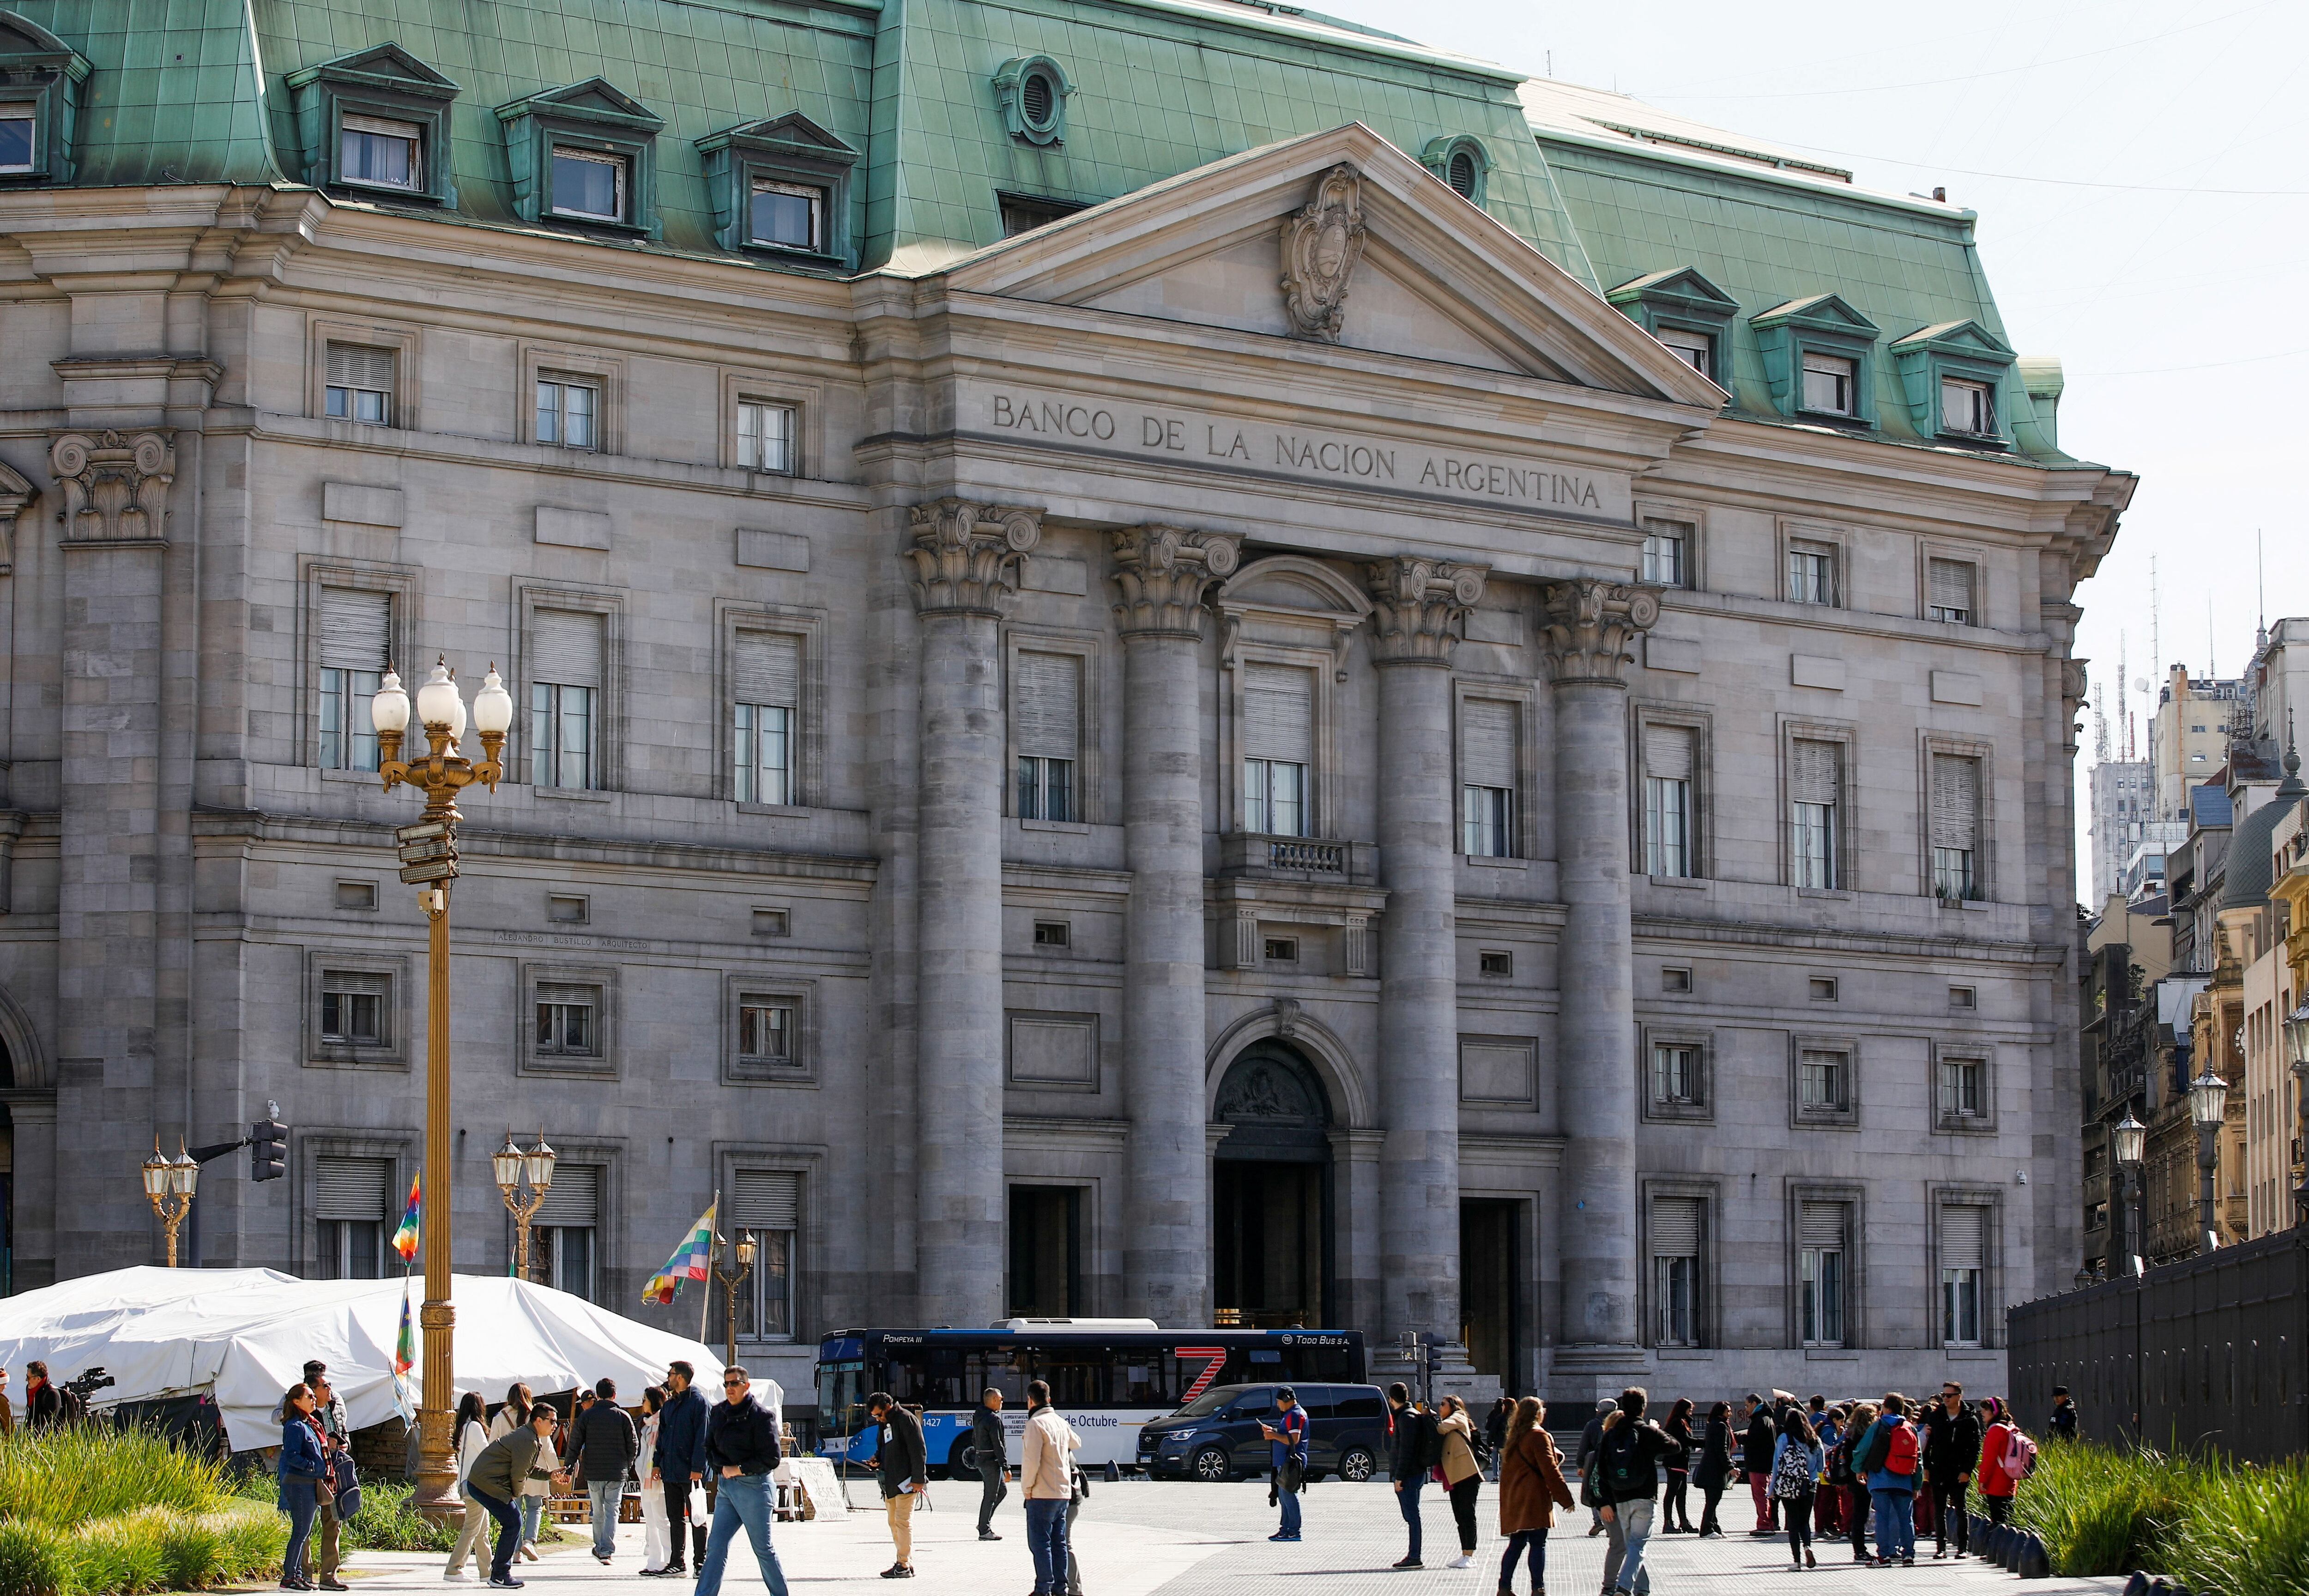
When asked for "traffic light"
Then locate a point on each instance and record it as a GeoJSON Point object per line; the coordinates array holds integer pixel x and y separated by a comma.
{"type": "Point", "coordinates": [268, 1150]}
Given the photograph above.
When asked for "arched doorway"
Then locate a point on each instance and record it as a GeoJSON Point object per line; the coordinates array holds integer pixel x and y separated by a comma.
{"type": "Point", "coordinates": [1271, 1188]}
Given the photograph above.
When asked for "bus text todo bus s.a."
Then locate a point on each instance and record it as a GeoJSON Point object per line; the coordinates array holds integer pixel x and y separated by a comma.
{"type": "Point", "coordinates": [1107, 1377]}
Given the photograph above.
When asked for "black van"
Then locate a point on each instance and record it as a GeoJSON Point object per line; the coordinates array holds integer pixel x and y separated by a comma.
{"type": "Point", "coordinates": [1216, 1436]}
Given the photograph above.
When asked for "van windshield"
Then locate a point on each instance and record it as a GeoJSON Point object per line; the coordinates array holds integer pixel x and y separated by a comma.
{"type": "Point", "coordinates": [1210, 1402]}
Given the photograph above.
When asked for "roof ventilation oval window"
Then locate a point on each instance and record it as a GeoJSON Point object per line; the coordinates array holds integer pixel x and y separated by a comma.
{"type": "Point", "coordinates": [1032, 91]}
{"type": "Point", "coordinates": [1037, 98]}
{"type": "Point", "coordinates": [1462, 176]}
{"type": "Point", "coordinates": [1460, 161]}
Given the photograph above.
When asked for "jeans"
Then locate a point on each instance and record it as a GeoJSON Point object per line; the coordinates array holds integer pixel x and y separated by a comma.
{"type": "Point", "coordinates": [1950, 1500]}
{"type": "Point", "coordinates": [995, 1478]}
{"type": "Point", "coordinates": [508, 1530]}
{"type": "Point", "coordinates": [300, 1531]}
{"type": "Point", "coordinates": [320, 1552]}
{"type": "Point", "coordinates": [1896, 1524]}
{"type": "Point", "coordinates": [741, 1499]}
{"type": "Point", "coordinates": [1624, 1554]}
{"type": "Point", "coordinates": [1074, 1563]}
{"type": "Point", "coordinates": [1046, 1538]}
{"type": "Point", "coordinates": [1406, 1502]}
{"type": "Point", "coordinates": [1533, 1542]}
{"type": "Point", "coordinates": [604, 1496]}
{"type": "Point", "coordinates": [1290, 1501]}
{"type": "Point", "coordinates": [1795, 1512]}
{"type": "Point", "coordinates": [1463, 1511]}
{"type": "Point", "coordinates": [532, 1515]}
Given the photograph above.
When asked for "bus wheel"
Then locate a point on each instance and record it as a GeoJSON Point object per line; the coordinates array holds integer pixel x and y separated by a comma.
{"type": "Point", "coordinates": [1212, 1463]}
{"type": "Point", "coordinates": [961, 1464]}
{"type": "Point", "coordinates": [1356, 1464]}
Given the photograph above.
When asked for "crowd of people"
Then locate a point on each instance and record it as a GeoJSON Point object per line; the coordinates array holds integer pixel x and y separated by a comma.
{"type": "Point", "coordinates": [1816, 1471]}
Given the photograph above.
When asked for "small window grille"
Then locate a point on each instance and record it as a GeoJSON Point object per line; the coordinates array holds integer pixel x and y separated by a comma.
{"type": "Point", "coordinates": [1037, 98]}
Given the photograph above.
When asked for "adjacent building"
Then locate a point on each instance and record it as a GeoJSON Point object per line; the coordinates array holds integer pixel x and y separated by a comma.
{"type": "Point", "coordinates": [2189, 735]}
{"type": "Point", "coordinates": [2122, 805]}
{"type": "Point", "coordinates": [1175, 658]}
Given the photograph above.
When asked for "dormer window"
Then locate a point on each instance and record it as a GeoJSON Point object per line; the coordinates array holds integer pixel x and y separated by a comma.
{"type": "Point", "coordinates": [16, 122]}
{"type": "Point", "coordinates": [589, 185]}
{"type": "Point", "coordinates": [40, 78]}
{"type": "Point", "coordinates": [1695, 349]}
{"type": "Point", "coordinates": [381, 153]}
{"type": "Point", "coordinates": [1829, 382]}
{"type": "Point", "coordinates": [788, 215]}
{"type": "Point", "coordinates": [1687, 312]}
{"type": "Point", "coordinates": [1967, 407]}
{"type": "Point", "coordinates": [1949, 375]}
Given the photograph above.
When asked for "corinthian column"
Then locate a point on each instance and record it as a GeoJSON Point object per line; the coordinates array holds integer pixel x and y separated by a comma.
{"type": "Point", "coordinates": [1163, 574]}
{"type": "Point", "coordinates": [1591, 627]}
{"type": "Point", "coordinates": [1416, 606]}
{"type": "Point", "coordinates": [966, 559]}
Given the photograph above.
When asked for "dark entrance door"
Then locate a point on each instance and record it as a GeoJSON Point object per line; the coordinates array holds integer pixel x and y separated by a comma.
{"type": "Point", "coordinates": [1045, 1251]}
{"type": "Point", "coordinates": [1271, 1236]}
{"type": "Point", "coordinates": [1490, 1286]}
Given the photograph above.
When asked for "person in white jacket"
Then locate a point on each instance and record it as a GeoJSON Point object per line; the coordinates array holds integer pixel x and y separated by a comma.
{"type": "Point", "coordinates": [471, 1430]}
{"type": "Point", "coordinates": [1047, 1482]}
{"type": "Point", "coordinates": [657, 1535]}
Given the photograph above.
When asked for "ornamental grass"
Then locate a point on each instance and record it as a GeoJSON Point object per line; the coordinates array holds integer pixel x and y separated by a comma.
{"type": "Point", "coordinates": [2220, 1528]}
{"type": "Point", "coordinates": [92, 1510]}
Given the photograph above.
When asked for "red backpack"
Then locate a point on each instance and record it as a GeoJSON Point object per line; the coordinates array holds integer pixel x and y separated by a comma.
{"type": "Point", "coordinates": [1900, 1450]}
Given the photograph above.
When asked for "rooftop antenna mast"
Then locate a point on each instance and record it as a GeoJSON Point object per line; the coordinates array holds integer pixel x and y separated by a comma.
{"type": "Point", "coordinates": [2155, 621]}
{"type": "Point", "coordinates": [2260, 596]}
{"type": "Point", "coordinates": [2212, 667]}
{"type": "Point", "coordinates": [2100, 723]}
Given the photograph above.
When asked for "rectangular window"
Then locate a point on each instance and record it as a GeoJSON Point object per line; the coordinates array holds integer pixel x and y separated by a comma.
{"type": "Point", "coordinates": [1824, 1082]}
{"type": "Point", "coordinates": [568, 1225]}
{"type": "Point", "coordinates": [1950, 584]}
{"type": "Point", "coordinates": [765, 1031]}
{"type": "Point", "coordinates": [359, 383]}
{"type": "Point", "coordinates": [1954, 825]}
{"type": "Point", "coordinates": [1667, 546]}
{"type": "Point", "coordinates": [1046, 714]}
{"type": "Point", "coordinates": [1052, 933]}
{"type": "Point", "coordinates": [1967, 407]}
{"type": "Point", "coordinates": [565, 413]}
{"type": "Point", "coordinates": [16, 123]}
{"type": "Point", "coordinates": [766, 437]}
{"type": "Point", "coordinates": [354, 637]}
{"type": "Point", "coordinates": [1675, 1074]}
{"type": "Point", "coordinates": [765, 680]}
{"type": "Point", "coordinates": [565, 685]}
{"type": "Point", "coordinates": [1964, 1261]}
{"type": "Point", "coordinates": [350, 1197]}
{"type": "Point", "coordinates": [1667, 801]}
{"type": "Point", "coordinates": [767, 1204]}
{"type": "Point", "coordinates": [568, 1022]}
{"type": "Point", "coordinates": [1695, 349]}
{"type": "Point", "coordinates": [1821, 1238]}
{"type": "Point", "coordinates": [589, 185]}
{"type": "Point", "coordinates": [380, 153]}
{"type": "Point", "coordinates": [1278, 738]}
{"type": "Point", "coordinates": [788, 215]}
{"type": "Point", "coordinates": [1964, 1089]}
{"type": "Point", "coordinates": [1812, 574]}
{"type": "Point", "coordinates": [1816, 791]}
{"type": "Point", "coordinates": [1487, 777]}
{"type": "Point", "coordinates": [353, 1009]}
{"type": "Point", "coordinates": [1675, 1270]}
{"type": "Point", "coordinates": [1830, 384]}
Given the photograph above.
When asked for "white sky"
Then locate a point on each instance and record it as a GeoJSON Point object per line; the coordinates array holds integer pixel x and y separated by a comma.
{"type": "Point", "coordinates": [2143, 210]}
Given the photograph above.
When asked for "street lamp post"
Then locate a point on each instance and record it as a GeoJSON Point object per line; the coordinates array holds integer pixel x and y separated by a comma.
{"type": "Point", "coordinates": [168, 1186]}
{"type": "Point", "coordinates": [730, 1284]}
{"type": "Point", "coordinates": [2297, 1045]}
{"type": "Point", "coordinates": [515, 1167]}
{"type": "Point", "coordinates": [2128, 1140]}
{"type": "Point", "coordinates": [2208, 1098]}
{"type": "Point", "coordinates": [428, 858]}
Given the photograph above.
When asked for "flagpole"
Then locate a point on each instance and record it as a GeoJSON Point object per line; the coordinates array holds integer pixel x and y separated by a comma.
{"type": "Point", "coordinates": [705, 1295]}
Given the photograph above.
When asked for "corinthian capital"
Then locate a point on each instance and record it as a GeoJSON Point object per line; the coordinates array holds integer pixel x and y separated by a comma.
{"type": "Point", "coordinates": [1164, 573]}
{"type": "Point", "coordinates": [1591, 625]}
{"type": "Point", "coordinates": [967, 556]}
{"type": "Point", "coordinates": [1417, 605]}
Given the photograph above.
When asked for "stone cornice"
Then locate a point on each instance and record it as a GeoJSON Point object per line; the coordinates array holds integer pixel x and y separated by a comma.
{"type": "Point", "coordinates": [1416, 606]}
{"type": "Point", "coordinates": [1164, 573]}
{"type": "Point", "coordinates": [1591, 627]}
{"type": "Point", "coordinates": [967, 556]}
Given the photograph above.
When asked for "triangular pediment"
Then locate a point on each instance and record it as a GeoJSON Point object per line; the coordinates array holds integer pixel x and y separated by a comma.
{"type": "Point", "coordinates": [1965, 338]}
{"type": "Point", "coordinates": [1677, 285]}
{"type": "Point", "coordinates": [384, 64]}
{"type": "Point", "coordinates": [1433, 277]}
{"type": "Point", "coordinates": [1818, 312]}
{"type": "Point", "coordinates": [594, 99]}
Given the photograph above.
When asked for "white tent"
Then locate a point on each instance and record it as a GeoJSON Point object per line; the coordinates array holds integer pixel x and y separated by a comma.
{"type": "Point", "coordinates": [244, 1335]}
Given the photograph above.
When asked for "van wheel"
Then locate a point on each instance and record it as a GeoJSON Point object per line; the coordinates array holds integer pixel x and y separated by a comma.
{"type": "Point", "coordinates": [1357, 1465]}
{"type": "Point", "coordinates": [1212, 1463]}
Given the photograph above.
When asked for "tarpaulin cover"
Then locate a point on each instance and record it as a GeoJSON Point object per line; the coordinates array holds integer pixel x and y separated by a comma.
{"type": "Point", "coordinates": [246, 1335]}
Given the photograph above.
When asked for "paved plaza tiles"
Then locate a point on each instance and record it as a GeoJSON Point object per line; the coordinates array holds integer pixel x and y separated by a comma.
{"type": "Point", "coordinates": [1167, 1539]}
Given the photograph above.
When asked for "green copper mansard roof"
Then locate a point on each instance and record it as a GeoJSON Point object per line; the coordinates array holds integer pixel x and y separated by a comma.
{"type": "Point", "coordinates": [1617, 194]}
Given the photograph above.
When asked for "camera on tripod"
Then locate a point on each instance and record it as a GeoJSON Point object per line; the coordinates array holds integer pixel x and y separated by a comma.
{"type": "Point", "coordinates": [87, 1382]}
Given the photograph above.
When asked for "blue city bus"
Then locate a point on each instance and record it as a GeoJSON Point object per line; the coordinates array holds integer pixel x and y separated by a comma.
{"type": "Point", "coordinates": [1107, 1377]}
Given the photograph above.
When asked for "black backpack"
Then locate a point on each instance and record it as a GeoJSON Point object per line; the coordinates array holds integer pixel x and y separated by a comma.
{"type": "Point", "coordinates": [1626, 1467]}
{"type": "Point", "coordinates": [1427, 1451]}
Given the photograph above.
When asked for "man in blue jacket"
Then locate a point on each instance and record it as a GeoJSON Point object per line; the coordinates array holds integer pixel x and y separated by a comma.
{"type": "Point", "coordinates": [1287, 1440]}
{"type": "Point", "coordinates": [1891, 1456]}
{"type": "Point", "coordinates": [678, 1464]}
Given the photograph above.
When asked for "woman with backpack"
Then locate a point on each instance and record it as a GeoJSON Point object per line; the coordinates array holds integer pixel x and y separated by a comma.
{"type": "Point", "coordinates": [1679, 1469]}
{"type": "Point", "coordinates": [2005, 1457]}
{"type": "Point", "coordinates": [1462, 1475]}
{"type": "Point", "coordinates": [1797, 1462]}
{"type": "Point", "coordinates": [1531, 1488]}
{"type": "Point", "coordinates": [1889, 1458]}
{"type": "Point", "coordinates": [1713, 1472]}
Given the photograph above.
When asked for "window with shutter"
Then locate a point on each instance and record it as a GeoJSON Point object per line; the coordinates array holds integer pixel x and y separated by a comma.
{"type": "Point", "coordinates": [566, 647]}
{"type": "Point", "coordinates": [1824, 1082]}
{"type": "Point", "coordinates": [1964, 1262]}
{"type": "Point", "coordinates": [1046, 725]}
{"type": "Point", "coordinates": [1821, 1238]}
{"type": "Point", "coordinates": [1954, 825]}
{"type": "Point", "coordinates": [568, 1022]}
{"type": "Point", "coordinates": [1487, 776]}
{"type": "Point", "coordinates": [1668, 552]}
{"type": "Point", "coordinates": [765, 685]}
{"type": "Point", "coordinates": [354, 634]}
{"type": "Point", "coordinates": [351, 1199]}
{"type": "Point", "coordinates": [1815, 791]}
{"type": "Point", "coordinates": [1278, 739]}
{"type": "Point", "coordinates": [768, 1204]}
{"type": "Point", "coordinates": [575, 1197]}
{"type": "Point", "coordinates": [1675, 1270]}
{"type": "Point", "coordinates": [565, 673]}
{"type": "Point", "coordinates": [1667, 755]}
{"type": "Point", "coordinates": [1952, 584]}
{"type": "Point", "coordinates": [358, 382]}
{"type": "Point", "coordinates": [567, 1235]}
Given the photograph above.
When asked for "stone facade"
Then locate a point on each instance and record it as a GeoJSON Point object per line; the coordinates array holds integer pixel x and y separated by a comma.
{"type": "Point", "coordinates": [1430, 845]}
